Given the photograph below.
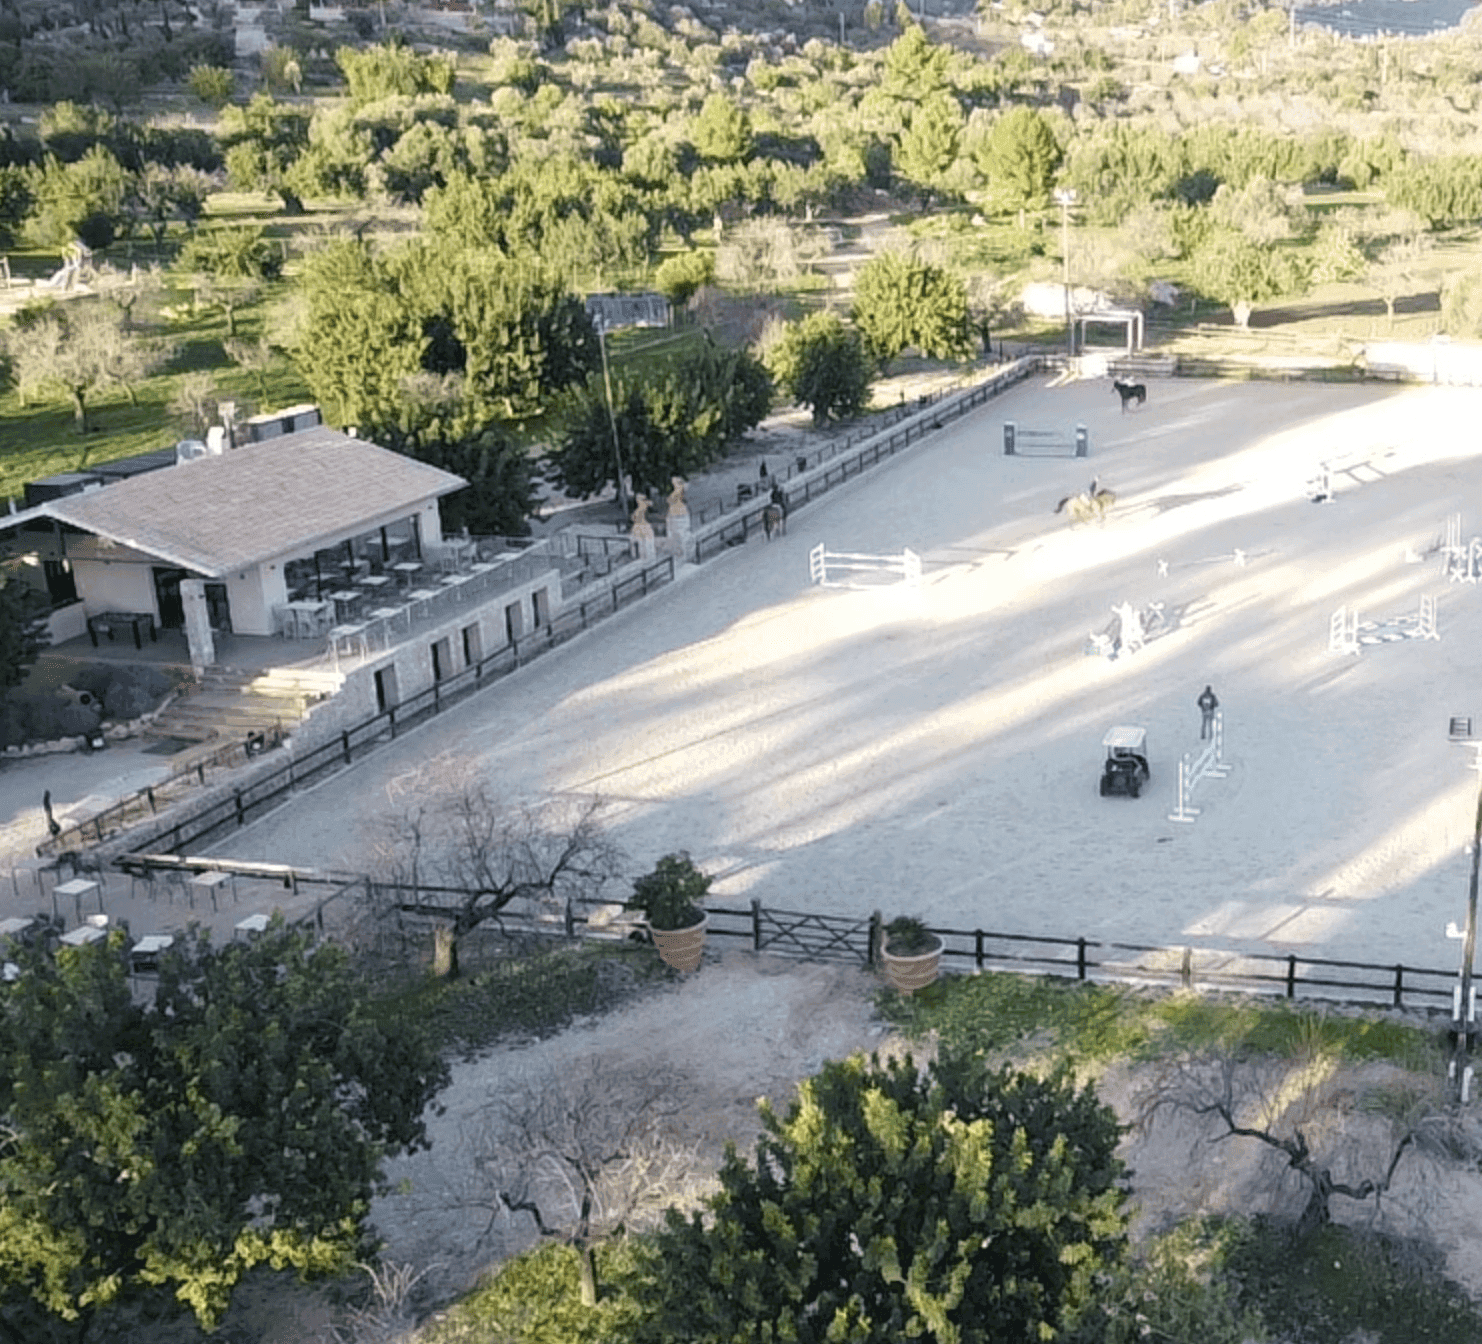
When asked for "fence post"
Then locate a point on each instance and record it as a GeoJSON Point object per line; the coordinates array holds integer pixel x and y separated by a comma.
{"type": "Point", "coordinates": [978, 948]}
{"type": "Point", "coordinates": [1399, 985]}
{"type": "Point", "coordinates": [756, 925]}
{"type": "Point", "coordinates": [1080, 958]}
{"type": "Point", "coordinates": [1291, 976]}
{"type": "Point", "coordinates": [345, 744]}
{"type": "Point", "coordinates": [241, 815]}
{"type": "Point", "coordinates": [201, 773]}
{"type": "Point", "coordinates": [149, 793]}
{"type": "Point", "coordinates": [877, 936]}
{"type": "Point", "coordinates": [391, 719]}
{"type": "Point", "coordinates": [1186, 969]}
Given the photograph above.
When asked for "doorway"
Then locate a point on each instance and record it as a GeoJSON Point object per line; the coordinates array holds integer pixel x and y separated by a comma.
{"type": "Point", "coordinates": [442, 660]}
{"type": "Point", "coordinates": [386, 697]}
{"type": "Point", "coordinates": [218, 609]}
{"type": "Point", "coordinates": [167, 597]}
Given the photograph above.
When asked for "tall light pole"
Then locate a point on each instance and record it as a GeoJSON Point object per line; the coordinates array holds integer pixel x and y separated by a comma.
{"type": "Point", "coordinates": [617, 452]}
{"type": "Point", "coordinates": [1460, 1070]}
{"type": "Point", "coordinates": [1065, 197]}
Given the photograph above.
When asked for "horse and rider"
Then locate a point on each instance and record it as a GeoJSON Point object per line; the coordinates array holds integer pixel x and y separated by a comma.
{"type": "Point", "coordinates": [1089, 505]}
{"type": "Point", "coordinates": [774, 516]}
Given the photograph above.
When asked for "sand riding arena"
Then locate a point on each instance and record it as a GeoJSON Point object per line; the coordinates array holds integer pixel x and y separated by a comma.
{"type": "Point", "coordinates": [934, 748]}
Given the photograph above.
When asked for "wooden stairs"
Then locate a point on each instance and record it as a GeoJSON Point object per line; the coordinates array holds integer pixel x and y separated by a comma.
{"type": "Point", "coordinates": [230, 704]}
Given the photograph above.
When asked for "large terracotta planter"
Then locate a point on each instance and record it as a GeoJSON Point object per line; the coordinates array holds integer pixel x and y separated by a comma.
{"type": "Point", "coordinates": [911, 971]}
{"type": "Point", "coordinates": [681, 948]}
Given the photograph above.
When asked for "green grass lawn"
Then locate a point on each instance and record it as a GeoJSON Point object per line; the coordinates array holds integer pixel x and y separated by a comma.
{"type": "Point", "coordinates": [42, 439]}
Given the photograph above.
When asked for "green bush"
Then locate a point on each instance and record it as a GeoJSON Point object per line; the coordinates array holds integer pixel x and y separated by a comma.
{"type": "Point", "coordinates": [212, 84]}
{"type": "Point", "coordinates": [535, 1299]}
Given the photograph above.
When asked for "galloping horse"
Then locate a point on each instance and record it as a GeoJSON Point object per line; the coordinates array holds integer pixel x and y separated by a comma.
{"type": "Point", "coordinates": [1130, 392]}
{"type": "Point", "coordinates": [1091, 505]}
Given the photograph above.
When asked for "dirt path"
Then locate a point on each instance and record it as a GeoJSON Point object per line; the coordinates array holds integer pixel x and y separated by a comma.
{"type": "Point", "coordinates": [744, 1027]}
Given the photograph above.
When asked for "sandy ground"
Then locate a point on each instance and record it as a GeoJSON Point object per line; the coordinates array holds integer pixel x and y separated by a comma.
{"type": "Point", "coordinates": [936, 750]}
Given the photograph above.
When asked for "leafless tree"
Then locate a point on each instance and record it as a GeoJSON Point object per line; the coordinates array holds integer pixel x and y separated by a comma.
{"type": "Point", "coordinates": [1399, 268]}
{"type": "Point", "coordinates": [194, 402]}
{"type": "Point", "coordinates": [78, 350]}
{"type": "Point", "coordinates": [463, 855]}
{"type": "Point", "coordinates": [254, 357]}
{"type": "Point", "coordinates": [1334, 1140]}
{"type": "Point", "coordinates": [584, 1153]}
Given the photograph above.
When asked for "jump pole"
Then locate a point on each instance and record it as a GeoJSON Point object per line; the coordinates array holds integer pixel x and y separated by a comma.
{"type": "Point", "coordinates": [1192, 770]}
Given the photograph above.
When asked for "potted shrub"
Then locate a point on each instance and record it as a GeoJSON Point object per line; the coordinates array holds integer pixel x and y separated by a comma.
{"type": "Point", "coordinates": [670, 899]}
{"type": "Point", "coordinates": [910, 953]}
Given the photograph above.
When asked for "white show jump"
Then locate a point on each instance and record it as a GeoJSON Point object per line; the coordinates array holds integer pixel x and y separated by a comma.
{"type": "Point", "coordinates": [1020, 442]}
{"type": "Point", "coordinates": [1194, 769]}
{"type": "Point", "coordinates": [1347, 634]}
{"type": "Point", "coordinates": [850, 569]}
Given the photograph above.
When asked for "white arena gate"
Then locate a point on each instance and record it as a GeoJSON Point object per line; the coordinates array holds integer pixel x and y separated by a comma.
{"type": "Point", "coordinates": [838, 569]}
{"type": "Point", "coordinates": [1193, 770]}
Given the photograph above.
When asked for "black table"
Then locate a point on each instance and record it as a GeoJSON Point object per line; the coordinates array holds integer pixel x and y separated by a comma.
{"type": "Point", "coordinates": [109, 621]}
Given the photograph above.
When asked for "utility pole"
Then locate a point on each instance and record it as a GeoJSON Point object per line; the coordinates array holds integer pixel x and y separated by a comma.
{"type": "Point", "coordinates": [617, 452]}
{"type": "Point", "coordinates": [1462, 1010]}
{"type": "Point", "coordinates": [1066, 197]}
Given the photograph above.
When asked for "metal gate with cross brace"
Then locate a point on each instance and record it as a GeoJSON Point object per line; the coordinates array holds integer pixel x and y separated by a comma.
{"type": "Point", "coordinates": [810, 936]}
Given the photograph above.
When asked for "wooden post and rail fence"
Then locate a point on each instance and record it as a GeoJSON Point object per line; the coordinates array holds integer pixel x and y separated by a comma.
{"type": "Point", "coordinates": [852, 940]}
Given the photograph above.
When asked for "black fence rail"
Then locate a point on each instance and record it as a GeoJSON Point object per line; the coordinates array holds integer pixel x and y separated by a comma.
{"type": "Point", "coordinates": [1291, 976]}
{"type": "Point", "coordinates": [811, 936]}
{"type": "Point", "coordinates": [816, 473]}
{"type": "Point", "coordinates": [185, 781]}
{"type": "Point", "coordinates": [247, 802]}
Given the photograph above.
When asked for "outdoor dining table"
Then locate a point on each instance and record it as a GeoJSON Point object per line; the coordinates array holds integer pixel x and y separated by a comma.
{"type": "Point", "coordinates": [407, 570]}
{"type": "Point", "coordinates": [145, 955]}
{"type": "Point", "coordinates": [346, 600]}
{"type": "Point", "coordinates": [308, 616]}
{"type": "Point", "coordinates": [77, 889]}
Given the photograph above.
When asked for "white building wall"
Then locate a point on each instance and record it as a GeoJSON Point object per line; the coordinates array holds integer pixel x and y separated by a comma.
{"type": "Point", "coordinates": [252, 613]}
{"type": "Point", "coordinates": [412, 663]}
{"type": "Point", "coordinates": [115, 585]}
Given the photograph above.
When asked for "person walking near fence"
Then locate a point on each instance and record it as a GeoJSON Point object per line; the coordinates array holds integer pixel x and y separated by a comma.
{"type": "Point", "coordinates": [1208, 703]}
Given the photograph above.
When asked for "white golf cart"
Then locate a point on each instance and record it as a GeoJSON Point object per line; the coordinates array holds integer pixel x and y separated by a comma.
{"type": "Point", "coordinates": [1126, 768]}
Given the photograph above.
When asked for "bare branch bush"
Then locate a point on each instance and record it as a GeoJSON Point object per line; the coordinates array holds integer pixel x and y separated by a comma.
{"type": "Point", "coordinates": [1335, 1136]}
{"type": "Point", "coordinates": [390, 1312]}
{"type": "Point", "coordinates": [583, 1153]}
{"type": "Point", "coordinates": [464, 857]}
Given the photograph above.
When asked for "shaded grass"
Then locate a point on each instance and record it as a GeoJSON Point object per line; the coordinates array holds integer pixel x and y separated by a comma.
{"type": "Point", "coordinates": [1337, 1283]}
{"type": "Point", "coordinates": [524, 997]}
